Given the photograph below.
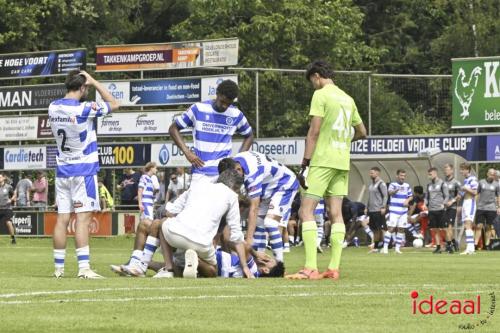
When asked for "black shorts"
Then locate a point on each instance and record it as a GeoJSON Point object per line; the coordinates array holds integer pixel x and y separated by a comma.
{"type": "Point", "coordinates": [450, 216]}
{"type": "Point", "coordinates": [377, 221]}
{"type": "Point", "coordinates": [436, 219]}
{"type": "Point", "coordinates": [485, 216]}
{"type": "Point", "coordinates": [6, 215]}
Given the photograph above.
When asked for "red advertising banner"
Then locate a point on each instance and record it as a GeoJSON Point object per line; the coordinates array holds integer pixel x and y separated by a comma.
{"type": "Point", "coordinates": [99, 226]}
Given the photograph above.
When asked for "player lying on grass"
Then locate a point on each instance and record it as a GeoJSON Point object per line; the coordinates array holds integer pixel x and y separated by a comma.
{"type": "Point", "coordinates": [199, 213]}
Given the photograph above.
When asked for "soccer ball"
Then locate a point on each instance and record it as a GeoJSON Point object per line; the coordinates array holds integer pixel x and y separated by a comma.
{"type": "Point", "coordinates": [418, 243]}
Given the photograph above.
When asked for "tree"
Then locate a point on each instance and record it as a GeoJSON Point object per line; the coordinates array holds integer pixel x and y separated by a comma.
{"type": "Point", "coordinates": [282, 34]}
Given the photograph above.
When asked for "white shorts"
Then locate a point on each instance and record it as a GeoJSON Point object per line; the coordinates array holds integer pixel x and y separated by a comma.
{"type": "Point", "coordinates": [148, 213]}
{"type": "Point", "coordinates": [280, 204]}
{"type": "Point", "coordinates": [77, 194]}
{"type": "Point", "coordinates": [397, 221]}
{"type": "Point", "coordinates": [181, 243]}
{"type": "Point", "coordinates": [469, 210]}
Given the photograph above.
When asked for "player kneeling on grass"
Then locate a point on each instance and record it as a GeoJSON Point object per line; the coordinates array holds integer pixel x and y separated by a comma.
{"type": "Point", "coordinates": [192, 231]}
{"type": "Point", "coordinates": [145, 197]}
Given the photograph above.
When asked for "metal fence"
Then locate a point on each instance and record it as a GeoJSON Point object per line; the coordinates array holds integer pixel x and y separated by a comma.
{"type": "Point", "coordinates": [276, 101]}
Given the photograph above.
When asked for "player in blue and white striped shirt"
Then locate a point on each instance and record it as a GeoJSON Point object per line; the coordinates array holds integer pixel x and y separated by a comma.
{"type": "Point", "coordinates": [73, 127]}
{"type": "Point", "coordinates": [271, 188]}
{"type": "Point", "coordinates": [468, 194]}
{"type": "Point", "coordinates": [400, 194]}
{"type": "Point", "coordinates": [214, 123]}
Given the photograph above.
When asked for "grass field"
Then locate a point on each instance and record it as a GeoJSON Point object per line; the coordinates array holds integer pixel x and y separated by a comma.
{"type": "Point", "coordinates": [373, 294]}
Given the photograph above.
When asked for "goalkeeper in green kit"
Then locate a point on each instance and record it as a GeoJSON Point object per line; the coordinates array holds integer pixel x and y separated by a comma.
{"type": "Point", "coordinates": [327, 155]}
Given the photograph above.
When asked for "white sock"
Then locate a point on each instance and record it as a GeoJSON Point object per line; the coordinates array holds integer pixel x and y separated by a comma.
{"type": "Point", "coordinates": [59, 255]}
{"type": "Point", "coordinates": [469, 240]}
{"type": "Point", "coordinates": [135, 258]}
{"type": "Point", "coordinates": [399, 240]}
{"type": "Point", "coordinates": [83, 257]}
{"type": "Point", "coordinates": [387, 239]}
{"type": "Point", "coordinates": [369, 232]}
{"type": "Point", "coordinates": [150, 247]}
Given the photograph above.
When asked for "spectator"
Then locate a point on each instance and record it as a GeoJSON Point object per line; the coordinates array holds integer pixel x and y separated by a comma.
{"type": "Point", "coordinates": [40, 191]}
{"type": "Point", "coordinates": [184, 178]}
{"type": "Point", "coordinates": [128, 187]}
{"type": "Point", "coordinates": [23, 191]}
{"type": "Point", "coordinates": [105, 199]}
{"type": "Point", "coordinates": [174, 188]}
{"type": "Point", "coordinates": [7, 197]}
{"type": "Point", "coordinates": [160, 195]}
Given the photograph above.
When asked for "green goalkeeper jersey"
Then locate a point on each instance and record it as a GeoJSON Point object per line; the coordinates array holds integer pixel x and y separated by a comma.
{"type": "Point", "coordinates": [340, 114]}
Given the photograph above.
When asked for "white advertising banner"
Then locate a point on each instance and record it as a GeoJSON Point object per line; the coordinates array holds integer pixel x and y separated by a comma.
{"type": "Point", "coordinates": [136, 123]}
{"type": "Point", "coordinates": [209, 85]}
{"type": "Point", "coordinates": [18, 128]}
{"type": "Point", "coordinates": [286, 151]}
{"type": "Point", "coordinates": [24, 158]}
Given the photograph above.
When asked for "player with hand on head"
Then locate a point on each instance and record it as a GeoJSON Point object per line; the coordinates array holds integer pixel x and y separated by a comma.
{"type": "Point", "coordinates": [72, 123]}
{"type": "Point", "coordinates": [327, 154]}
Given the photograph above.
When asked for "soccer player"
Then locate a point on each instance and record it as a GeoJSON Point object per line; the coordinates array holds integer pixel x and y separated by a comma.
{"type": "Point", "coordinates": [376, 208]}
{"type": "Point", "coordinates": [468, 193]}
{"type": "Point", "coordinates": [418, 214]}
{"type": "Point", "coordinates": [437, 196]}
{"type": "Point", "coordinates": [327, 154]}
{"type": "Point", "coordinates": [271, 188]}
{"type": "Point", "coordinates": [145, 198]}
{"type": "Point", "coordinates": [214, 123]}
{"type": "Point", "coordinates": [228, 265]}
{"type": "Point", "coordinates": [488, 206]}
{"type": "Point", "coordinates": [7, 197]}
{"type": "Point", "coordinates": [293, 225]}
{"type": "Point", "coordinates": [72, 123]}
{"type": "Point", "coordinates": [451, 207]}
{"type": "Point", "coordinates": [353, 215]}
{"type": "Point", "coordinates": [400, 195]}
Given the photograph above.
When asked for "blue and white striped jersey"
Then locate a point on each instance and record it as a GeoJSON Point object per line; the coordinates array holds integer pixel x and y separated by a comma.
{"type": "Point", "coordinates": [470, 182]}
{"type": "Point", "coordinates": [397, 199]}
{"type": "Point", "coordinates": [146, 183]}
{"type": "Point", "coordinates": [263, 176]}
{"type": "Point", "coordinates": [320, 208]}
{"type": "Point", "coordinates": [73, 128]}
{"type": "Point", "coordinates": [213, 132]}
{"type": "Point", "coordinates": [228, 265]}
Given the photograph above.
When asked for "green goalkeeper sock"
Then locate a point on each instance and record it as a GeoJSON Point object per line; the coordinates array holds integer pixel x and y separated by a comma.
{"type": "Point", "coordinates": [337, 238]}
{"type": "Point", "coordinates": [309, 235]}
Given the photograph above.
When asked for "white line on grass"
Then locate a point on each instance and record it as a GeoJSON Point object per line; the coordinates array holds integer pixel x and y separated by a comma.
{"type": "Point", "coordinates": [225, 287]}
{"type": "Point", "coordinates": [181, 298]}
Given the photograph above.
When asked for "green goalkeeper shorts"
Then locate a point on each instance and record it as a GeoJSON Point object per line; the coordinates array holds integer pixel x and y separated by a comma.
{"type": "Point", "coordinates": [327, 182]}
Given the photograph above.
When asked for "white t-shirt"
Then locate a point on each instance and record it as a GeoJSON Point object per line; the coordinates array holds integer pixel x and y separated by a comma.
{"type": "Point", "coordinates": [200, 210]}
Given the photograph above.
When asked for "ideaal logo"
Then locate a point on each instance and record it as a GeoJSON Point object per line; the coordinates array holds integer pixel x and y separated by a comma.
{"type": "Point", "coordinates": [437, 306]}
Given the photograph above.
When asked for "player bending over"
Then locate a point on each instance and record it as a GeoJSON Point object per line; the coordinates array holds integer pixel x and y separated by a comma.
{"type": "Point", "coordinates": [271, 187]}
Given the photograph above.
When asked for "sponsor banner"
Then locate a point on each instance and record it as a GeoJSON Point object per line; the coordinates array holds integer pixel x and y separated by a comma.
{"type": "Point", "coordinates": [1, 160]}
{"type": "Point", "coordinates": [135, 123]}
{"type": "Point", "coordinates": [469, 147]}
{"type": "Point", "coordinates": [493, 148]}
{"type": "Point", "coordinates": [175, 91]}
{"type": "Point", "coordinates": [141, 57]}
{"type": "Point", "coordinates": [47, 63]}
{"type": "Point", "coordinates": [25, 223]}
{"type": "Point", "coordinates": [18, 128]}
{"type": "Point", "coordinates": [30, 97]}
{"type": "Point", "coordinates": [100, 225]}
{"type": "Point", "coordinates": [124, 155]}
{"type": "Point", "coordinates": [286, 151]}
{"type": "Point", "coordinates": [43, 128]}
{"type": "Point", "coordinates": [112, 155]}
{"type": "Point", "coordinates": [476, 92]}
{"type": "Point", "coordinates": [24, 158]}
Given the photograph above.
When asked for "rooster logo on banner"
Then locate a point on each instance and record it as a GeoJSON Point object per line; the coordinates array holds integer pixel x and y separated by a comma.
{"type": "Point", "coordinates": [464, 89]}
